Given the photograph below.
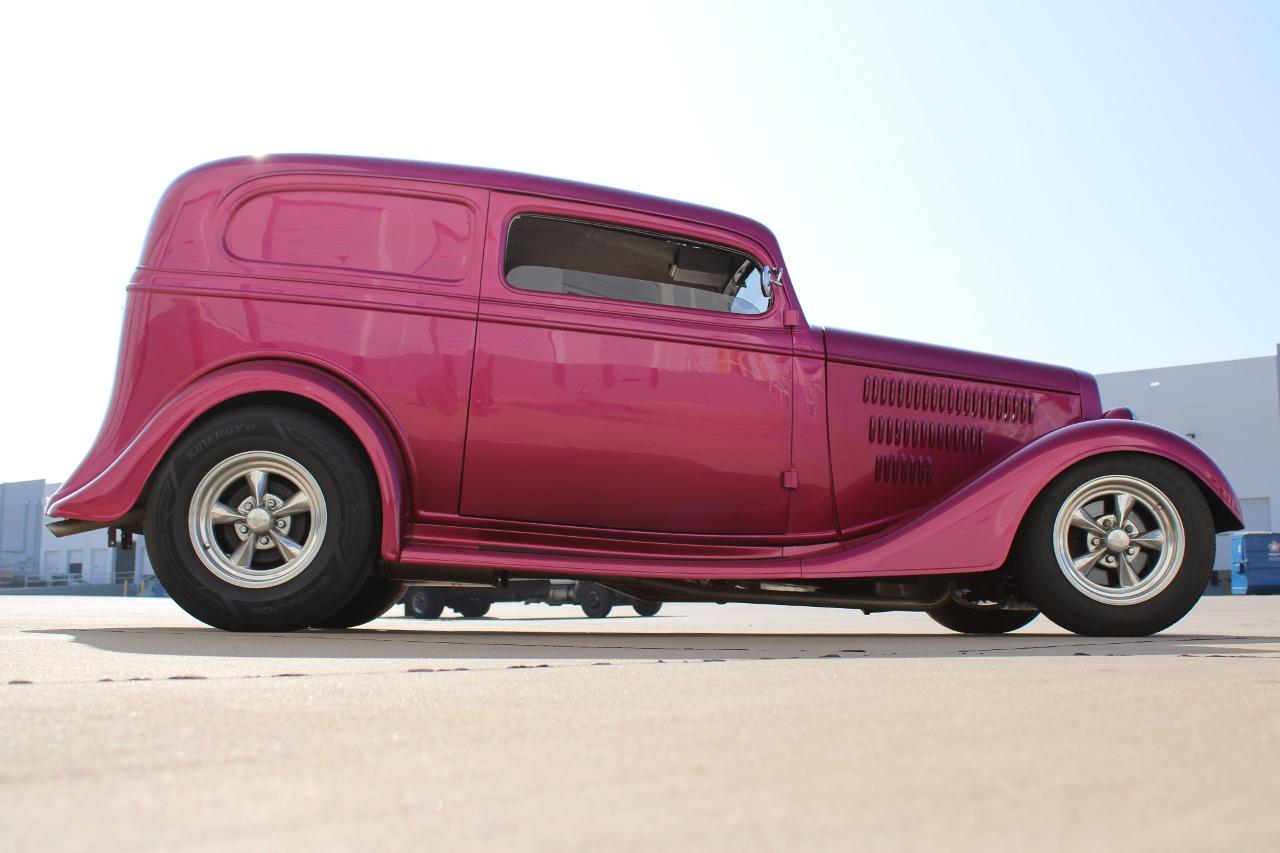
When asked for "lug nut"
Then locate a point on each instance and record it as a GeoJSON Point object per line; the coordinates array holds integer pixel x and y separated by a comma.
{"type": "Point", "coordinates": [264, 540]}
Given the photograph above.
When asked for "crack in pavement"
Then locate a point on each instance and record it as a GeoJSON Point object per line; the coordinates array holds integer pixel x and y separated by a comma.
{"type": "Point", "coordinates": [1105, 642]}
{"type": "Point", "coordinates": [349, 638]}
{"type": "Point", "coordinates": [367, 672]}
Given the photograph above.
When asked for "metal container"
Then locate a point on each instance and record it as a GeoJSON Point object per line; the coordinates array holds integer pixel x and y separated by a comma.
{"type": "Point", "coordinates": [1255, 563]}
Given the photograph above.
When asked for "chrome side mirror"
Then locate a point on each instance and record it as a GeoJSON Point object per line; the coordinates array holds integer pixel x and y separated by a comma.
{"type": "Point", "coordinates": [769, 278]}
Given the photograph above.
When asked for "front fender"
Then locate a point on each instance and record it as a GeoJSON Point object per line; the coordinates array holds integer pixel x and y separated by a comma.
{"type": "Point", "coordinates": [972, 529]}
{"type": "Point", "coordinates": [117, 488]}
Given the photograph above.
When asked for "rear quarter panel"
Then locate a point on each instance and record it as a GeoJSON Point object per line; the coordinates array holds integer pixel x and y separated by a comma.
{"type": "Point", "coordinates": [397, 329]}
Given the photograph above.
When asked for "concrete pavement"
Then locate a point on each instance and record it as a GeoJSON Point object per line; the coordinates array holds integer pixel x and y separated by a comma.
{"type": "Point", "coordinates": [129, 725]}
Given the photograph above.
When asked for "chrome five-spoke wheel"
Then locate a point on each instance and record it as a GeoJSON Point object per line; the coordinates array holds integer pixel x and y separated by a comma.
{"type": "Point", "coordinates": [257, 519]}
{"type": "Point", "coordinates": [1118, 540]}
{"type": "Point", "coordinates": [265, 518]}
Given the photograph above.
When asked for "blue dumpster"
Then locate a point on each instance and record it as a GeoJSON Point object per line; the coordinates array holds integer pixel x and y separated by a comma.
{"type": "Point", "coordinates": [1255, 563]}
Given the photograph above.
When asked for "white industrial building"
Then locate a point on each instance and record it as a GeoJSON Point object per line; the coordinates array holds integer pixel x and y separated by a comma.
{"type": "Point", "coordinates": [85, 557]}
{"type": "Point", "coordinates": [30, 554]}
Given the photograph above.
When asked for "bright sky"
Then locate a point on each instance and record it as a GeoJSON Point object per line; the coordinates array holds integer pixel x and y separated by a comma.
{"type": "Point", "coordinates": [1096, 184]}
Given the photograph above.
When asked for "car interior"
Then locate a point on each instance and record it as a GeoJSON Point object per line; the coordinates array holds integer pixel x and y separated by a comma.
{"type": "Point", "coordinates": [554, 255]}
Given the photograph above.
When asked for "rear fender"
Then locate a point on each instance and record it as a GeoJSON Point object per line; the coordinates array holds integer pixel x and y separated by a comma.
{"type": "Point", "coordinates": [118, 487]}
{"type": "Point", "coordinates": [973, 528]}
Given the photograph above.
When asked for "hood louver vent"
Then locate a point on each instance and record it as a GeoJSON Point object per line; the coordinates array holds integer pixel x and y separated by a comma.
{"type": "Point", "coordinates": [904, 468]}
{"type": "Point", "coordinates": [930, 435]}
{"type": "Point", "coordinates": [927, 396]}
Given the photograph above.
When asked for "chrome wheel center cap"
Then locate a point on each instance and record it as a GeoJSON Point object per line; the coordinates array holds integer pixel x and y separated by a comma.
{"type": "Point", "coordinates": [1117, 540]}
{"type": "Point", "coordinates": [258, 520]}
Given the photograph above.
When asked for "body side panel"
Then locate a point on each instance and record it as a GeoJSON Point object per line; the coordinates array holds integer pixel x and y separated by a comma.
{"type": "Point", "coordinates": [403, 334]}
{"type": "Point", "coordinates": [900, 441]}
{"type": "Point", "coordinates": [969, 531]}
{"type": "Point", "coordinates": [625, 416]}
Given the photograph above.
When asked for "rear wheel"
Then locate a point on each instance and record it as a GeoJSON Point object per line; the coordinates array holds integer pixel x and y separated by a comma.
{"type": "Point", "coordinates": [966, 619]}
{"type": "Point", "coordinates": [376, 597]}
{"type": "Point", "coordinates": [596, 601]}
{"type": "Point", "coordinates": [647, 608]}
{"type": "Point", "coordinates": [263, 519]}
{"type": "Point", "coordinates": [424, 603]}
{"type": "Point", "coordinates": [1121, 545]}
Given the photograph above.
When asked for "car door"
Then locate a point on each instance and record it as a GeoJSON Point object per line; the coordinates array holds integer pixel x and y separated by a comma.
{"type": "Point", "coordinates": [604, 398]}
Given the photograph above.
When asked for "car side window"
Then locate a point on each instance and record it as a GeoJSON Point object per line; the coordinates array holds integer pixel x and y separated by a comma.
{"type": "Point", "coordinates": [554, 255]}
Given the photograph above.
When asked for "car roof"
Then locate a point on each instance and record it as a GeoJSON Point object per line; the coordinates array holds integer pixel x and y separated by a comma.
{"type": "Point", "coordinates": [493, 179]}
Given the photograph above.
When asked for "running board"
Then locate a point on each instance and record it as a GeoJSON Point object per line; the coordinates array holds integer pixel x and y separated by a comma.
{"type": "Point", "coordinates": [421, 561]}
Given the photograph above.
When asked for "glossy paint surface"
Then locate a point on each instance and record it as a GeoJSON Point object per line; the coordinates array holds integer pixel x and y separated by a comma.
{"type": "Point", "coordinates": [575, 427]}
{"type": "Point", "coordinates": [551, 433]}
{"type": "Point", "coordinates": [930, 359]}
{"type": "Point", "coordinates": [973, 527]}
{"type": "Point", "coordinates": [900, 441]}
{"type": "Point", "coordinates": [112, 493]}
{"type": "Point", "coordinates": [622, 415]}
{"type": "Point", "coordinates": [347, 231]}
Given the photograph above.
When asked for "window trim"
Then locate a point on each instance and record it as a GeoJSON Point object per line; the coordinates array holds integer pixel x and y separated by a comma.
{"type": "Point", "coordinates": [700, 314]}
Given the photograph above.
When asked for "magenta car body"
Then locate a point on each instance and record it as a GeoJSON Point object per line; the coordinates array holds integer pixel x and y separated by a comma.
{"type": "Point", "coordinates": [677, 452]}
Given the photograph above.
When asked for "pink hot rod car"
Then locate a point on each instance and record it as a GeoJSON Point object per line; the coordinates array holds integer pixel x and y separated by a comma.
{"type": "Point", "coordinates": [340, 375]}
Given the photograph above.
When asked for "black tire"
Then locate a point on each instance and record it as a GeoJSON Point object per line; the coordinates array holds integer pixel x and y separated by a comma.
{"type": "Point", "coordinates": [346, 550]}
{"type": "Point", "coordinates": [471, 608]}
{"type": "Point", "coordinates": [376, 597]}
{"type": "Point", "coordinates": [647, 608]}
{"type": "Point", "coordinates": [423, 602]}
{"type": "Point", "coordinates": [972, 620]}
{"type": "Point", "coordinates": [595, 600]}
{"type": "Point", "coordinates": [1047, 585]}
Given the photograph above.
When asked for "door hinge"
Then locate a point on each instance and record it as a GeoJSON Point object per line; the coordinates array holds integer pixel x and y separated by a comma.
{"type": "Point", "coordinates": [791, 318]}
{"type": "Point", "coordinates": [791, 479]}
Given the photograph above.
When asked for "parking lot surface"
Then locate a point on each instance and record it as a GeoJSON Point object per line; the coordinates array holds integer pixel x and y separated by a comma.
{"type": "Point", "coordinates": [129, 725]}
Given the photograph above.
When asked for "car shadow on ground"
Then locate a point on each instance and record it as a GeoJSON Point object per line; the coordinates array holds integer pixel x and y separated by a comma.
{"type": "Point", "coordinates": [520, 645]}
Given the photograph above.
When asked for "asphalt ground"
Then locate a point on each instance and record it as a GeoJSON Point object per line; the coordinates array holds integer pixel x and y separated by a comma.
{"type": "Point", "coordinates": [128, 725]}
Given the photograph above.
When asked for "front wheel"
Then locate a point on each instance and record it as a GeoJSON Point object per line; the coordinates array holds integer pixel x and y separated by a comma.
{"type": "Point", "coordinates": [647, 608]}
{"type": "Point", "coordinates": [1121, 545]}
{"type": "Point", "coordinates": [424, 602]}
{"type": "Point", "coordinates": [595, 600]}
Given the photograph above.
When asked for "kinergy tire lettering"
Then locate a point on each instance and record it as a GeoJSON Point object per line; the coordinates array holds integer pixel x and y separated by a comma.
{"type": "Point", "coordinates": [218, 435]}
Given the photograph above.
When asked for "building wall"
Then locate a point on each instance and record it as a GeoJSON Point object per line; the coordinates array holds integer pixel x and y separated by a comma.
{"type": "Point", "coordinates": [27, 548]}
{"type": "Point", "coordinates": [21, 514]}
{"type": "Point", "coordinates": [1229, 408]}
{"type": "Point", "coordinates": [98, 563]}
